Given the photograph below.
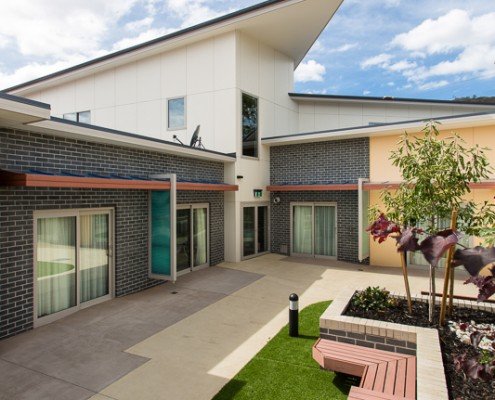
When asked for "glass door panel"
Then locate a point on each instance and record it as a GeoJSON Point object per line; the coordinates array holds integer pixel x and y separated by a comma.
{"type": "Point", "coordinates": [249, 247]}
{"type": "Point", "coordinates": [302, 241]}
{"type": "Point", "coordinates": [325, 231]}
{"type": "Point", "coordinates": [200, 239]}
{"type": "Point", "coordinates": [183, 239]}
{"type": "Point", "coordinates": [262, 229]}
{"type": "Point", "coordinates": [56, 264]}
{"type": "Point", "coordinates": [94, 261]}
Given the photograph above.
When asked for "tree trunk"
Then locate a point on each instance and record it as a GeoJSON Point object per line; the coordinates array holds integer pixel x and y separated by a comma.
{"type": "Point", "coordinates": [431, 300]}
{"type": "Point", "coordinates": [403, 259]}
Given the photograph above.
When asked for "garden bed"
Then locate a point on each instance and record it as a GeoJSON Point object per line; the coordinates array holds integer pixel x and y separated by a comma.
{"type": "Point", "coordinates": [459, 387]}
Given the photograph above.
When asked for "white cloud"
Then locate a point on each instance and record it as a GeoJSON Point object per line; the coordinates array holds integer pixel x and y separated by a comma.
{"type": "Point", "coordinates": [433, 85]}
{"type": "Point", "coordinates": [309, 71]}
{"type": "Point", "coordinates": [141, 38]}
{"type": "Point", "coordinates": [381, 60]}
{"type": "Point", "coordinates": [366, 92]}
{"type": "Point", "coordinates": [34, 70]}
{"type": "Point", "coordinates": [192, 12]}
{"type": "Point", "coordinates": [402, 66]}
{"type": "Point", "coordinates": [345, 47]}
{"type": "Point", "coordinates": [139, 24]}
{"type": "Point", "coordinates": [455, 30]}
{"type": "Point", "coordinates": [391, 84]}
{"type": "Point", "coordinates": [58, 28]}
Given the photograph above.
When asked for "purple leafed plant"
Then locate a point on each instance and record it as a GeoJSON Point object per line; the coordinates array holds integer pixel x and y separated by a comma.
{"type": "Point", "coordinates": [481, 367]}
{"type": "Point", "coordinates": [435, 246]}
{"type": "Point", "coordinates": [382, 228]}
{"type": "Point", "coordinates": [485, 284]}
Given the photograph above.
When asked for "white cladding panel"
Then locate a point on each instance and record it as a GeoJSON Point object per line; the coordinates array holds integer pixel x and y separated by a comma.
{"type": "Point", "coordinates": [334, 114]}
{"type": "Point", "coordinates": [133, 97]}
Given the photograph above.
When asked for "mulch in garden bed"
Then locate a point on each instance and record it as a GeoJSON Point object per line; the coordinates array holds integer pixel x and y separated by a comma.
{"type": "Point", "coordinates": [460, 387]}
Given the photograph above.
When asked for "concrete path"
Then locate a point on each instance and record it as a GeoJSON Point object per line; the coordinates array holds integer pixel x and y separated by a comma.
{"type": "Point", "coordinates": [79, 355]}
{"type": "Point", "coordinates": [179, 346]}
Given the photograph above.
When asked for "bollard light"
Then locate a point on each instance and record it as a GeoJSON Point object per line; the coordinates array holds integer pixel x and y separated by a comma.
{"type": "Point", "coordinates": [293, 315]}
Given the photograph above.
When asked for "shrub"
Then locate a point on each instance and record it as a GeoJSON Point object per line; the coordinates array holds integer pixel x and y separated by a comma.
{"type": "Point", "coordinates": [373, 298]}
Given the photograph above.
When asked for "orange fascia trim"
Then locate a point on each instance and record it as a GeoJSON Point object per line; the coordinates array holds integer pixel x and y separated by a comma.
{"type": "Point", "coordinates": [312, 188]}
{"type": "Point", "coordinates": [214, 187]}
{"type": "Point", "coordinates": [395, 185]}
{"type": "Point", "coordinates": [56, 181]}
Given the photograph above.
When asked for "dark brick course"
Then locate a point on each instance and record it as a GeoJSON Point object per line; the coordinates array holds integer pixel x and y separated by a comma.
{"type": "Point", "coordinates": [22, 151]}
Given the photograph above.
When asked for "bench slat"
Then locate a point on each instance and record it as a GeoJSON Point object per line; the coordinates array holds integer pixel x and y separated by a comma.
{"type": "Point", "coordinates": [389, 385]}
{"type": "Point", "coordinates": [400, 378]}
{"type": "Point", "coordinates": [411, 378]}
{"type": "Point", "coordinates": [357, 393]}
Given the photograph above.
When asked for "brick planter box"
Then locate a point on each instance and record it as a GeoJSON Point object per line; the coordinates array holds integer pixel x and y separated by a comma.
{"type": "Point", "coordinates": [406, 339]}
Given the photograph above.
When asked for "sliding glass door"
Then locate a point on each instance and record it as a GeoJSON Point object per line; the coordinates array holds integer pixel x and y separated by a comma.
{"type": "Point", "coordinates": [192, 237]}
{"type": "Point", "coordinates": [314, 229]}
{"type": "Point", "coordinates": [254, 230]}
{"type": "Point", "coordinates": [73, 266]}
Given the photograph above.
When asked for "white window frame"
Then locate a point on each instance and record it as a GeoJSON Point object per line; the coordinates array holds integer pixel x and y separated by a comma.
{"type": "Point", "coordinates": [313, 205]}
{"type": "Point", "coordinates": [77, 213]}
{"type": "Point", "coordinates": [255, 205]}
{"type": "Point", "coordinates": [178, 128]}
{"type": "Point", "coordinates": [77, 114]}
{"type": "Point", "coordinates": [191, 208]}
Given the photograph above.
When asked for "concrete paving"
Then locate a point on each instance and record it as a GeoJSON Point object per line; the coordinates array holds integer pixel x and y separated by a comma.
{"type": "Point", "coordinates": [159, 345]}
{"type": "Point", "coordinates": [79, 355]}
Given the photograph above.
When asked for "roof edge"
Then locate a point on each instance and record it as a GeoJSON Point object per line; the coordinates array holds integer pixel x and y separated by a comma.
{"type": "Point", "coordinates": [141, 137]}
{"type": "Point", "coordinates": [377, 126]}
{"type": "Point", "coordinates": [385, 98]}
{"type": "Point", "coordinates": [160, 39]}
{"type": "Point", "coordinates": [24, 100]}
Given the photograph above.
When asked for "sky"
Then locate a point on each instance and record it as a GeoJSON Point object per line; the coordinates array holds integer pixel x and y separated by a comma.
{"type": "Point", "coordinates": [436, 49]}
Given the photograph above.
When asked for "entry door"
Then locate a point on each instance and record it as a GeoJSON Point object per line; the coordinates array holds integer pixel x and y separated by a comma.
{"type": "Point", "coordinates": [192, 237]}
{"type": "Point", "coordinates": [314, 229]}
{"type": "Point", "coordinates": [254, 230]}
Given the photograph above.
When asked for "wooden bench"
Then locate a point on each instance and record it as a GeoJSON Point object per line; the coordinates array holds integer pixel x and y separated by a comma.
{"type": "Point", "coordinates": [384, 375]}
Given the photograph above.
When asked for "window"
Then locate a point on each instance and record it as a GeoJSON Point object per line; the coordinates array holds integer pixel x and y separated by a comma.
{"type": "Point", "coordinates": [81, 116]}
{"type": "Point", "coordinates": [249, 125]}
{"type": "Point", "coordinates": [177, 113]}
{"type": "Point", "coordinates": [73, 263]}
{"type": "Point", "coordinates": [314, 229]}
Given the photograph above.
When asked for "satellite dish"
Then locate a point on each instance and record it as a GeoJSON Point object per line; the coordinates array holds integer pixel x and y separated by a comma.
{"type": "Point", "coordinates": [195, 137]}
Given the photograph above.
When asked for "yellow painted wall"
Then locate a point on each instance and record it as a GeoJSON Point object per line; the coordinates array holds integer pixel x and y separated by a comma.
{"type": "Point", "coordinates": [382, 170]}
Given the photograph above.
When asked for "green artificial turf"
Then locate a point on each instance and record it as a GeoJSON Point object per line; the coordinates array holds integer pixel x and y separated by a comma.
{"type": "Point", "coordinates": [285, 369]}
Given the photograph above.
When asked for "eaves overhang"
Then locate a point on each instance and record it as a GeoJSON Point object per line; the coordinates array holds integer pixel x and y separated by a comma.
{"type": "Point", "coordinates": [289, 26]}
{"type": "Point", "coordinates": [395, 128]}
{"type": "Point", "coordinates": [305, 97]}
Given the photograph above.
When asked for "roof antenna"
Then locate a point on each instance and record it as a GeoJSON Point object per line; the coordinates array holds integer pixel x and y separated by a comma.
{"type": "Point", "coordinates": [177, 139]}
{"type": "Point", "coordinates": [196, 140]}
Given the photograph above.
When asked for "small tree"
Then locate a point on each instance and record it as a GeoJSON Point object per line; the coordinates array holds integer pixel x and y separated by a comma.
{"type": "Point", "coordinates": [437, 174]}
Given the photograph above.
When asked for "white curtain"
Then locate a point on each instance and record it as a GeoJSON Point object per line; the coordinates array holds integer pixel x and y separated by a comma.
{"type": "Point", "coordinates": [325, 231]}
{"type": "Point", "coordinates": [94, 262]}
{"type": "Point", "coordinates": [303, 230]}
{"type": "Point", "coordinates": [200, 226]}
{"type": "Point", "coordinates": [56, 264]}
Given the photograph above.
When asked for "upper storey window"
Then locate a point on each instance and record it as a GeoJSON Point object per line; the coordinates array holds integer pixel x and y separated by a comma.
{"type": "Point", "coordinates": [81, 116]}
{"type": "Point", "coordinates": [177, 113]}
{"type": "Point", "coordinates": [249, 125]}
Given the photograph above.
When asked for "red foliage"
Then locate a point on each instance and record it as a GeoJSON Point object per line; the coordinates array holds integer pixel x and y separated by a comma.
{"type": "Point", "coordinates": [382, 228]}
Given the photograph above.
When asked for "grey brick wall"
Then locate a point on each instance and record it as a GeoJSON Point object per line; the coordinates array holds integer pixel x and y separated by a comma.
{"type": "Point", "coordinates": [22, 151]}
{"type": "Point", "coordinates": [335, 161]}
{"type": "Point", "coordinates": [131, 212]}
{"type": "Point", "coordinates": [341, 161]}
